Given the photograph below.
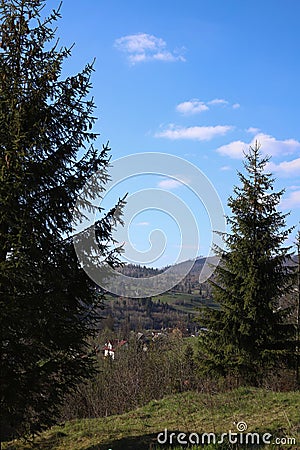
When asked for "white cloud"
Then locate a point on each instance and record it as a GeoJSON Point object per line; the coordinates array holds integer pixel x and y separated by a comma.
{"type": "Point", "coordinates": [253, 130]}
{"type": "Point", "coordinates": [225, 168]}
{"type": "Point", "coordinates": [285, 168]}
{"type": "Point", "coordinates": [195, 105]}
{"type": "Point", "coordinates": [294, 187]}
{"type": "Point", "coordinates": [169, 184]}
{"type": "Point", "coordinates": [233, 150]}
{"type": "Point", "coordinates": [269, 146]}
{"type": "Point", "coordinates": [218, 101]}
{"type": "Point", "coordinates": [273, 147]}
{"type": "Point", "coordinates": [192, 107]}
{"type": "Point", "coordinates": [167, 56]}
{"type": "Point", "coordinates": [173, 183]}
{"type": "Point", "coordinates": [142, 47]}
{"type": "Point", "coordinates": [292, 201]}
{"type": "Point", "coordinates": [193, 133]}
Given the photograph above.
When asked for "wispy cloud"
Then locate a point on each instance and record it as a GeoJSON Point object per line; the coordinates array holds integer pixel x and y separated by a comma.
{"type": "Point", "coordinates": [225, 168]}
{"type": "Point", "coordinates": [269, 146]}
{"type": "Point", "coordinates": [174, 132]}
{"type": "Point", "coordinates": [191, 107]}
{"type": "Point", "coordinates": [173, 183]}
{"type": "Point", "coordinates": [234, 149]}
{"type": "Point", "coordinates": [218, 101]}
{"type": "Point", "coordinates": [143, 47]}
{"type": "Point", "coordinates": [252, 130]}
{"type": "Point", "coordinates": [285, 168]}
{"type": "Point", "coordinates": [292, 201]}
{"type": "Point", "coordinates": [273, 147]}
{"type": "Point", "coordinates": [169, 184]}
{"type": "Point", "coordinates": [195, 105]}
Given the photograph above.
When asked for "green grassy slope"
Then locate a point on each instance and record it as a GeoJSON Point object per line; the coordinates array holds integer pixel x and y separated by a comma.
{"type": "Point", "coordinates": [263, 411]}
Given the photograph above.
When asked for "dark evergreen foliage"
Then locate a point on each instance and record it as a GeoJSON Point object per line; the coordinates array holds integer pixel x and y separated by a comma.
{"type": "Point", "coordinates": [297, 292]}
{"type": "Point", "coordinates": [48, 303]}
{"type": "Point", "coordinates": [248, 335]}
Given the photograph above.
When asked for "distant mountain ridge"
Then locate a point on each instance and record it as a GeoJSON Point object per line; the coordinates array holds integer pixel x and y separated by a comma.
{"type": "Point", "coordinates": [139, 271]}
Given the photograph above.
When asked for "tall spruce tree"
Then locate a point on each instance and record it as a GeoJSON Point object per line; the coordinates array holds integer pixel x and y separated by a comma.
{"type": "Point", "coordinates": [48, 304]}
{"type": "Point", "coordinates": [297, 292]}
{"type": "Point", "coordinates": [247, 335]}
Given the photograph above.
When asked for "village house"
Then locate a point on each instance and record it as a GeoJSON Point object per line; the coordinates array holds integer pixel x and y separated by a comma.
{"type": "Point", "coordinates": [110, 347]}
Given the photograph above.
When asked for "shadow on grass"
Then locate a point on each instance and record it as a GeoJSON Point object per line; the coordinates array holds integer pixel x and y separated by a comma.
{"type": "Point", "coordinates": [149, 442]}
{"type": "Point", "coordinates": [144, 442]}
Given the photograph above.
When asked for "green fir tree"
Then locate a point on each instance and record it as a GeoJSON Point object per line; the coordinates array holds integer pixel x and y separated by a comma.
{"type": "Point", "coordinates": [247, 335]}
{"type": "Point", "coordinates": [48, 304]}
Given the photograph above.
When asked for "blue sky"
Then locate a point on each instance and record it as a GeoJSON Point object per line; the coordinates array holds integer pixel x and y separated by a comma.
{"type": "Point", "coordinates": [200, 80]}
